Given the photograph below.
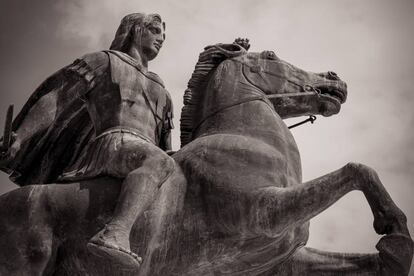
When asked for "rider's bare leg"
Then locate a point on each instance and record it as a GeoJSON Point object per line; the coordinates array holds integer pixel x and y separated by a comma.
{"type": "Point", "coordinates": [138, 191]}
{"type": "Point", "coordinates": [282, 208]}
{"type": "Point", "coordinates": [168, 205]}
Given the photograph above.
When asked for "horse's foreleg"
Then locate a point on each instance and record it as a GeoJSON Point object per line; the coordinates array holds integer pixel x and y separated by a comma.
{"type": "Point", "coordinates": [280, 208]}
{"type": "Point", "coordinates": [309, 261]}
{"type": "Point", "coordinates": [388, 218]}
{"type": "Point", "coordinates": [313, 262]}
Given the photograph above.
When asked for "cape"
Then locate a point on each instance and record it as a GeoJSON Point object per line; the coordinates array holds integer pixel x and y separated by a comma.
{"type": "Point", "coordinates": [54, 126]}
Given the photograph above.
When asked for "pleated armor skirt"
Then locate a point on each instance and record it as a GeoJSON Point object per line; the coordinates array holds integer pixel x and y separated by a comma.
{"type": "Point", "coordinates": [116, 152]}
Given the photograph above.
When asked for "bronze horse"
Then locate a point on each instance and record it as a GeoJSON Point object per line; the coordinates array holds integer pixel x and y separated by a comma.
{"type": "Point", "coordinates": [236, 204]}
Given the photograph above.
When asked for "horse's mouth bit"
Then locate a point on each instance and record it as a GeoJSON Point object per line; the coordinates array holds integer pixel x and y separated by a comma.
{"type": "Point", "coordinates": [335, 93]}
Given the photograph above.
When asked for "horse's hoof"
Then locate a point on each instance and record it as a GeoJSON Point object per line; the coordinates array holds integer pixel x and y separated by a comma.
{"type": "Point", "coordinates": [393, 222]}
{"type": "Point", "coordinates": [119, 256]}
{"type": "Point", "coordinates": [383, 227]}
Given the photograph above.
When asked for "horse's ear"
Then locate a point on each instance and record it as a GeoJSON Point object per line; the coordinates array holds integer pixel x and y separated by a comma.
{"type": "Point", "coordinates": [230, 50]}
{"type": "Point", "coordinates": [222, 50]}
{"type": "Point", "coordinates": [244, 42]}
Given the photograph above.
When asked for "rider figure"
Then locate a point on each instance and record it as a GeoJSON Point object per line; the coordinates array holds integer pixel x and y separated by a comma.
{"type": "Point", "coordinates": [132, 117]}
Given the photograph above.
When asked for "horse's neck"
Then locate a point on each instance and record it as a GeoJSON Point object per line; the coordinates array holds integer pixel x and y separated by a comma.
{"type": "Point", "coordinates": [252, 118]}
{"type": "Point", "coordinates": [226, 108]}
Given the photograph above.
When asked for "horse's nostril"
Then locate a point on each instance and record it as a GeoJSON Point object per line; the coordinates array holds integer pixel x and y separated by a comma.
{"type": "Point", "coordinates": [333, 75]}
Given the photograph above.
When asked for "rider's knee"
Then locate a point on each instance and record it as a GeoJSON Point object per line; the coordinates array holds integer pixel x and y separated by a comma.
{"type": "Point", "coordinates": [168, 163]}
{"type": "Point", "coordinates": [163, 162]}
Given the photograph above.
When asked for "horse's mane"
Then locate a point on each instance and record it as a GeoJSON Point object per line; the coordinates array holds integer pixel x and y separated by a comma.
{"type": "Point", "coordinates": [208, 60]}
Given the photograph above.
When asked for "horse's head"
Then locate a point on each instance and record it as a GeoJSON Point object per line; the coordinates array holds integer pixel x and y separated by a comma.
{"type": "Point", "coordinates": [293, 91]}
{"type": "Point", "coordinates": [226, 75]}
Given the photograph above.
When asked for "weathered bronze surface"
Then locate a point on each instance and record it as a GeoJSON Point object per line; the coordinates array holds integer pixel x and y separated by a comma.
{"type": "Point", "coordinates": [234, 204]}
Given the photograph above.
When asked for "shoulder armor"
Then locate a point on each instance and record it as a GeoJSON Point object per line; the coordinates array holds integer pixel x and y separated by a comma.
{"type": "Point", "coordinates": [98, 61]}
{"type": "Point", "coordinates": [156, 78]}
{"type": "Point", "coordinates": [90, 66]}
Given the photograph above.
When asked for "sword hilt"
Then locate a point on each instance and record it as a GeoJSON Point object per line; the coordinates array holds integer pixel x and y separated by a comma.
{"type": "Point", "coordinates": [7, 133]}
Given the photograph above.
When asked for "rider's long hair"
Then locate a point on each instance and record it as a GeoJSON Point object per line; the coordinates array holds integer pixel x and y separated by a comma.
{"type": "Point", "coordinates": [125, 32]}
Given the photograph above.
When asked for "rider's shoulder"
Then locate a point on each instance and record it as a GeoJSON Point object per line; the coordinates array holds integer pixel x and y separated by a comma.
{"type": "Point", "coordinates": [96, 60]}
{"type": "Point", "coordinates": [155, 78]}
{"type": "Point", "coordinates": [90, 65]}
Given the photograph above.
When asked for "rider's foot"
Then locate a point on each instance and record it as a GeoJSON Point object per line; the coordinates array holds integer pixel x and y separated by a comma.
{"type": "Point", "coordinates": [111, 246]}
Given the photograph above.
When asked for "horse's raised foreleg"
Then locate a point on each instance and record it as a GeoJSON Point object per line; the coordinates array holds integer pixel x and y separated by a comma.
{"type": "Point", "coordinates": [313, 262]}
{"type": "Point", "coordinates": [276, 209]}
{"type": "Point", "coordinates": [309, 261]}
{"type": "Point", "coordinates": [285, 207]}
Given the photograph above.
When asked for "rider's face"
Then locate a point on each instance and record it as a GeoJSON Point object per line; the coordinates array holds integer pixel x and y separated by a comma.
{"type": "Point", "coordinates": [151, 39]}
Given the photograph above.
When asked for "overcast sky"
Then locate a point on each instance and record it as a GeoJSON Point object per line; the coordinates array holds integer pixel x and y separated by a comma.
{"type": "Point", "coordinates": [368, 43]}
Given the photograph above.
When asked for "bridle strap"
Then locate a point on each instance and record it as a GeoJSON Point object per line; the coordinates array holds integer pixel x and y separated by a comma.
{"type": "Point", "coordinates": [271, 96]}
{"type": "Point", "coordinates": [264, 98]}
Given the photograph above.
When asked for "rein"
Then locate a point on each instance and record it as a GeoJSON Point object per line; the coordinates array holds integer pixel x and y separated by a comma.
{"type": "Point", "coordinates": [311, 119]}
{"type": "Point", "coordinates": [264, 98]}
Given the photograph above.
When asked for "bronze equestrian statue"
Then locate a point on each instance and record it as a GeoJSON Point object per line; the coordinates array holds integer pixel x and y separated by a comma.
{"type": "Point", "coordinates": [234, 204]}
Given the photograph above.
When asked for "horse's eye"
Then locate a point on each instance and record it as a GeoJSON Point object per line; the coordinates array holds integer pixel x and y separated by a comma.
{"type": "Point", "coordinates": [255, 69]}
{"type": "Point", "coordinates": [268, 55]}
{"type": "Point", "coordinates": [271, 55]}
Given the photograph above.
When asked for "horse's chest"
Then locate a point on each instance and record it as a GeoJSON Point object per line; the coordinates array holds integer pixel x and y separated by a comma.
{"type": "Point", "coordinates": [289, 151]}
{"type": "Point", "coordinates": [245, 162]}
{"type": "Point", "coordinates": [293, 166]}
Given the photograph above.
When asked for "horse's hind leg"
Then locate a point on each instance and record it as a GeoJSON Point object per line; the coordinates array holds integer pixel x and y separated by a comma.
{"type": "Point", "coordinates": [26, 236]}
{"type": "Point", "coordinates": [313, 262]}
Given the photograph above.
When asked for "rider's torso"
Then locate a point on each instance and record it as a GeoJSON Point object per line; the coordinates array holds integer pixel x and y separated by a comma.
{"type": "Point", "coordinates": [127, 98]}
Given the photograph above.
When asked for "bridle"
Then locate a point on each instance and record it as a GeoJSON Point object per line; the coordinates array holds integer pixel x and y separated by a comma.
{"type": "Point", "coordinates": [309, 90]}
{"type": "Point", "coordinates": [313, 91]}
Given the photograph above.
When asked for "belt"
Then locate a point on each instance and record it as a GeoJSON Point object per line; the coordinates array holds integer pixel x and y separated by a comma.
{"type": "Point", "coordinates": [124, 129]}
